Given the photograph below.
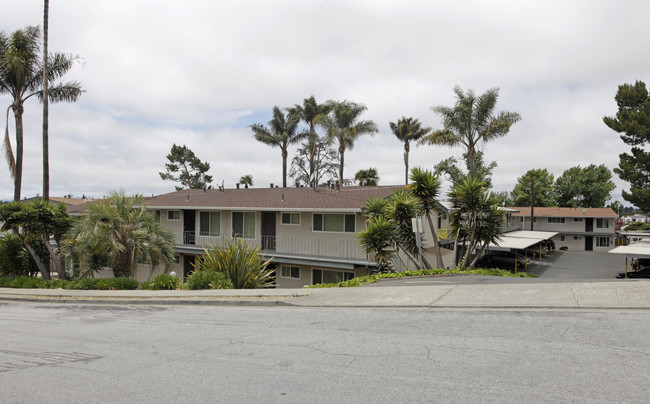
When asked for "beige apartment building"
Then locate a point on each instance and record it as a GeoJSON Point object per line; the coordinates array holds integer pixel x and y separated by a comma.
{"type": "Point", "coordinates": [579, 229]}
{"type": "Point", "coordinates": [310, 234]}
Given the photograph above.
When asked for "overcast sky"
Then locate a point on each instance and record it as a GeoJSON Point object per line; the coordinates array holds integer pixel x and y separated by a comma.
{"type": "Point", "coordinates": [200, 72]}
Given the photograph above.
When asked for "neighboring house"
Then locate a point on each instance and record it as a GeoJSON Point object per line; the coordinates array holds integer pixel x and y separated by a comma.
{"type": "Point", "coordinates": [637, 218]}
{"type": "Point", "coordinates": [309, 234]}
{"type": "Point", "coordinates": [579, 229]}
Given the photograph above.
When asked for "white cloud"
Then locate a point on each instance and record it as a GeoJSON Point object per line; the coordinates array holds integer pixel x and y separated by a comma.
{"type": "Point", "coordinates": [158, 72]}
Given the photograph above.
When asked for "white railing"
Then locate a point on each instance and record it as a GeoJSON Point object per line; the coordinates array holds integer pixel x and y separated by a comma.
{"type": "Point", "coordinates": [297, 246]}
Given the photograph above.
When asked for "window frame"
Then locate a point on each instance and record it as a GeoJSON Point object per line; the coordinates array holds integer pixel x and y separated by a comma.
{"type": "Point", "coordinates": [171, 217]}
{"type": "Point", "coordinates": [232, 224]}
{"type": "Point", "coordinates": [209, 232]}
{"type": "Point", "coordinates": [605, 239]}
{"type": "Point", "coordinates": [602, 221]}
{"type": "Point", "coordinates": [291, 216]}
{"type": "Point", "coordinates": [577, 219]}
{"type": "Point", "coordinates": [290, 268]}
{"type": "Point", "coordinates": [346, 275]}
{"type": "Point", "coordinates": [556, 220]}
{"type": "Point", "coordinates": [322, 223]}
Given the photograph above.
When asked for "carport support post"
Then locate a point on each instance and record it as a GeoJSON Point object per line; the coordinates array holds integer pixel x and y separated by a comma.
{"type": "Point", "coordinates": [625, 267]}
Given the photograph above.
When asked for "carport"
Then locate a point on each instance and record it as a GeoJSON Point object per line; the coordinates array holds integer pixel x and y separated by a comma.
{"type": "Point", "coordinates": [522, 240]}
{"type": "Point", "coordinates": [640, 249]}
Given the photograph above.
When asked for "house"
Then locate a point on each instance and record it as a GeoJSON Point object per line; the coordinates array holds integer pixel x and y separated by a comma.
{"type": "Point", "coordinates": [578, 229]}
{"type": "Point", "coordinates": [309, 234]}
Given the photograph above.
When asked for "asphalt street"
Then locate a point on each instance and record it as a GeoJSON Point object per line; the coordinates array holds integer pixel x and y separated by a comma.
{"type": "Point", "coordinates": [85, 353]}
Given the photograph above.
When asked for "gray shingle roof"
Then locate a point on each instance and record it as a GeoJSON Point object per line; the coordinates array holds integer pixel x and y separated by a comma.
{"type": "Point", "coordinates": [305, 199]}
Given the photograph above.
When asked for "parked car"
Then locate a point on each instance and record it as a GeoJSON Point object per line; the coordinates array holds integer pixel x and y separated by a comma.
{"type": "Point", "coordinates": [504, 259]}
{"type": "Point", "coordinates": [643, 272]}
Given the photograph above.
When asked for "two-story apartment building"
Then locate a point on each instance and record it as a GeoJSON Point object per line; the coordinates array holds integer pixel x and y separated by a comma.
{"type": "Point", "coordinates": [579, 229]}
{"type": "Point", "coordinates": [310, 234]}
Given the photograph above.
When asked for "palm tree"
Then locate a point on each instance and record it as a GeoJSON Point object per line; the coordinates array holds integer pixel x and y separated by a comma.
{"type": "Point", "coordinates": [122, 229]}
{"type": "Point", "coordinates": [246, 180]}
{"type": "Point", "coordinates": [400, 209]}
{"type": "Point", "coordinates": [475, 217]}
{"type": "Point", "coordinates": [21, 76]}
{"type": "Point", "coordinates": [470, 122]}
{"type": "Point", "coordinates": [309, 112]}
{"type": "Point", "coordinates": [46, 106]}
{"type": "Point", "coordinates": [343, 124]}
{"type": "Point", "coordinates": [407, 130]}
{"type": "Point", "coordinates": [368, 177]}
{"type": "Point", "coordinates": [425, 186]}
{"type": "Point", "coordinates": [36, 224]}
{"type": "Point", "coordinates": [282, 132]}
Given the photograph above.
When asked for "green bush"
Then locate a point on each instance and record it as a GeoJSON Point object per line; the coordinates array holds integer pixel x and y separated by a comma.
{"type": "Point", "coordinates": [240, 263]}
{"type": "Point", "coordinates": [162, 282]}
{"type": "Point", "coordinates": [14, 258]}
{"type": "Point", "coordinates": [207, 280]}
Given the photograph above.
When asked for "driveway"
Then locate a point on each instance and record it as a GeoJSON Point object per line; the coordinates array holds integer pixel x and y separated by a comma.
{"type": "Point", "coordinates": [558, 266]}
{"type": "Point", "coordinates": [578, 265]}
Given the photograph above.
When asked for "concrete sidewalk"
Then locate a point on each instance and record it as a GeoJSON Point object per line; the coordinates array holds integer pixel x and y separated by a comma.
{"type": "Point", "coordinates": [620, 294]}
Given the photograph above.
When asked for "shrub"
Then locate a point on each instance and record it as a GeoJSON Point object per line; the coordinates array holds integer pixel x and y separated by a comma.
{"type": "Point", "coordinates": [240, 263]}
{"type": "Point", "coordinates": [14, 258]}
{"type": "Point", "coordinates": [207, 280]}
{"type": "Point", "coordinates": [162, 282]}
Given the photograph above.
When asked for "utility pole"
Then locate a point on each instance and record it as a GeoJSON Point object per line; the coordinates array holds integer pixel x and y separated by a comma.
{"type": "Point", "coordinates": [532, 202]}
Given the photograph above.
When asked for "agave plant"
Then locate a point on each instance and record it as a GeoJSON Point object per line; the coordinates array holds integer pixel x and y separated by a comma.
{"type": "Point", "coordinates": [240, 263]}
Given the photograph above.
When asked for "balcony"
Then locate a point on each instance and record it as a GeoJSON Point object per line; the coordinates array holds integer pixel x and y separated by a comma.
{"type": "Point", "coordinates": [344, 250]}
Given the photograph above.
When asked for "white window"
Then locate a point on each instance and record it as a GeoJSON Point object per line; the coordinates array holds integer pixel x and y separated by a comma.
{"type": "Point", "coordinates": [556, 220]}
{"type": "Point", "coordinates": [243, 224]}
{"type": "Point", "coordinates": [602, 223]}
{"type": "Point", "coordinates": [326, 276]}
{"type": "Point", "coordinates": [577, 219]}
{"type": "Point", "coordinates": [577, 238]}
{"type": "Point", "coordinates": [291, 218]}
{"type": "Point", "coordinates": [173, 215]}
{"type": "Point", "coordinates": [210, 224]}
{"type": "Point", "coordinates": [290, 272]}
{"type": "Point", "coordinates": [561, 238]}
{"type": "Point", "coordinates": [334, 222]}
{"type": "Point", "coordinates": [602, 241]}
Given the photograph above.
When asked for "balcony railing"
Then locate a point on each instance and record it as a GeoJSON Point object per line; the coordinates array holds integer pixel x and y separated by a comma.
{"type": "Point", "coordinates": [346, 250]}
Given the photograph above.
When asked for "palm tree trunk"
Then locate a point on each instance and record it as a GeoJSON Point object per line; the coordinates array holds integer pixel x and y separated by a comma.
{"type": "Point", "coordinates": [411, 257]}
{"type": "Point", "coordinates": [45, 274]}
{"type": "Point", "coordinates": [122, 264]}
{"type": "Point", "coordinates": [475, 260]}
{"type": "Point", "coordinates": [341, 162]}
{"type": "Point", "coordinates": [284, 167]}
{"type": "Point", "coordinates": [436, 245]}
{"type": "Point", "coordinates": [312, 154]}
{"type": "Point", "coordinates": [18, 117]}
{"type": "Point", "coordinates": [46, 146]}
{"type": "Point", "coordinates": [406, 163]}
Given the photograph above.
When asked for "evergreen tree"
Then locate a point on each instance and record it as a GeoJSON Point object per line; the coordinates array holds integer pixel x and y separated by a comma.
{"type": "Point", "coordinates": [186, 168]}
{"type": "Point", "coordinates": [632, 121]}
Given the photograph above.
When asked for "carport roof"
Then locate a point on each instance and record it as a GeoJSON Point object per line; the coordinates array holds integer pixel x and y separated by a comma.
{"type": "Point", "coordinates": [521, 239]}
{"type": "Point", "coordinates": [639, 249]}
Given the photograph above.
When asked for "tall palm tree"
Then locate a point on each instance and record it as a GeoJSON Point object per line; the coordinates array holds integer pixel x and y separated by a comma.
{"type": "Point", "coordinates": [425, 186]}
{"type": "Point", "coordinates": [344, 125]}
{"type": "Point", "coordinates": [21, 76]}
{"type": "Point", "coordinates": [471, 121]}
{"type": "Point", "coordinates": [122, 229]}
{"type": "Point", "coordinates": [309, 112]}
{"type": "Point", "coordinates": [46, 105]}
{"type": "Point", "coordinates": [407, 130]}
{"type": "Point", "coordinates": [281, 132]}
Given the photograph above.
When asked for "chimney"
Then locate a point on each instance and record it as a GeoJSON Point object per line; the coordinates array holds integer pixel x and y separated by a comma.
{"type": "Point", "coordinates": [237, 185]}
